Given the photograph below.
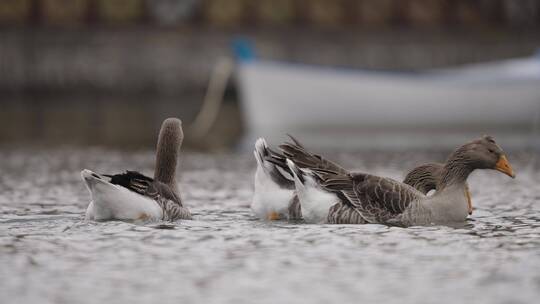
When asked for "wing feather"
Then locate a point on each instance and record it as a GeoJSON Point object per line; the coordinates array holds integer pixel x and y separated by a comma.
{"type": "Point", "coordinates": [376, 199]}
{"type": "Point", "coordinates": [296, 152]}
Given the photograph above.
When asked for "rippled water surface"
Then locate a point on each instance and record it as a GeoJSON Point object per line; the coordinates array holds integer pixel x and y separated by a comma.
{"type": "Point", "coordinates": [49, 254]}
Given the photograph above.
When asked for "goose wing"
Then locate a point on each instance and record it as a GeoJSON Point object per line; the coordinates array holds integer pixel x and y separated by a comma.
{"type": "Point", "coordinates": [132, 180]}
{"type": "Point", "coordinates": [296, 152]}
{"type": "Point", "coordinates": [143, 185]}
{"type": "Point", "coordinates": [167, 199]}
{"type": "Point", "coordinates": [377, 199]}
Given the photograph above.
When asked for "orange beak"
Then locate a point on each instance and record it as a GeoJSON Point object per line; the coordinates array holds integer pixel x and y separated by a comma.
{"type": "Point", "coordinates": [504, 166]}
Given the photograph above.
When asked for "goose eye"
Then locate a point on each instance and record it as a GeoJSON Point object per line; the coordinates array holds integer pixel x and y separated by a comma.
{"type": "Point", "coordinates": [491, 151]}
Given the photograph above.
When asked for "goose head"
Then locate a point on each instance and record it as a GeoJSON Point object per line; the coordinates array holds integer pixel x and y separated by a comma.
{"type": "Point", "coordinates": [484, 153]}
{"type": "Point", "coordinates": [481, 153]}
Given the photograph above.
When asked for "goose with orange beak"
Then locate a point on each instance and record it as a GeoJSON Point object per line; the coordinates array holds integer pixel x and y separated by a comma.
{"type": "Point", "coordinates": [426, 177]}
{"type": "Point", "coordinates": [275, 196]}
{"type": "Point", "coordinates": [328, 196]}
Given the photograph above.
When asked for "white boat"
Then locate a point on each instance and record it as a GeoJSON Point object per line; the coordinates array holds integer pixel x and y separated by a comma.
{"type": "Point", "coordinates": [344, 107]}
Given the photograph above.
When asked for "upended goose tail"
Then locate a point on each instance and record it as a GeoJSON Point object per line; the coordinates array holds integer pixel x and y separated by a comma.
{"type": "Point", "coordinates": [266, 161]}
{"type": "Point", "coordinates": [274, 187]}
{"type": "Point", "coordinates": [315, 201]}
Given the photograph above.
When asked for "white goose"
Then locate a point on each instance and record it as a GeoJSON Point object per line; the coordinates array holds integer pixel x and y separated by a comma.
{"type": "Point", "coordinates": [133, 196]}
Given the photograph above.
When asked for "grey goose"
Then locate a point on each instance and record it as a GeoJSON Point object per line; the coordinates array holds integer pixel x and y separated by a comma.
{"type": "Point", "coordinates": [275, 196]}
{"type": "Point", "coordinates": [327, 193]}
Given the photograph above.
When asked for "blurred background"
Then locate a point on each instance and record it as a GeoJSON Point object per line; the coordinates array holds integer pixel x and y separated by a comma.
{"type": "Point", "coordinates": [87, 83]}
{"type": "Point", "coordinates": [106, 72]}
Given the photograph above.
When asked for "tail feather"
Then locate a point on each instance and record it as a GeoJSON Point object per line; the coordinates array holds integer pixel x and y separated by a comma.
{"type": "Point", "coordinates": [336, 184]}
{"type": "Point", "coordinates": [296, 142]}
{"type": "Point", "coordinates": [305, 159]}
{"type": "Point", "coordinates": [298, 175]}
{"type": "Point", "coordinates": [260, 151]}
{"type": "Point", "coordinates": [292, 150]}
{"type": "Point", "coordinates": [315, 202]}
{"type": "Point", "coordinates": [271, 163]}
{"type": "Point", "coordinates": [274, 184]}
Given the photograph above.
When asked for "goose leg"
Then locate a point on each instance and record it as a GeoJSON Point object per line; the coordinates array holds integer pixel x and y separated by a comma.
{"type": "Point", "coordinates": [273, 216]}
{"type": "Point", "coordinates": [469, 201]}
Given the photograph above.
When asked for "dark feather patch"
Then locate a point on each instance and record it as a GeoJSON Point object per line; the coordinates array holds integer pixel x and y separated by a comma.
{"type": "Point", "coordinates": [131, 180]}
{"type": "Point", "coordinates": [266, 154]}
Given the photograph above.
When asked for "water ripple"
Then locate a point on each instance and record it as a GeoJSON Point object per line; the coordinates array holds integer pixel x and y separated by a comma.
{"type": "Point", "coordinates": [49, 254]}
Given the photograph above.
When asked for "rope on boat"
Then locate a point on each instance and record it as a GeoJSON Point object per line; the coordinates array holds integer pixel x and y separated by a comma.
{"type": "Point", "coordinates": [213, 98]}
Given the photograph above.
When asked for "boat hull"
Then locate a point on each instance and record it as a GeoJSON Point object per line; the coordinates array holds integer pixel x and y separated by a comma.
{"type": "Point", "coordinates": [280, 98]}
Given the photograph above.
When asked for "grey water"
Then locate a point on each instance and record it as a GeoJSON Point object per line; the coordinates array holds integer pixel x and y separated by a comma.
{"type": "Point", "coordinates": [49, 254]}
